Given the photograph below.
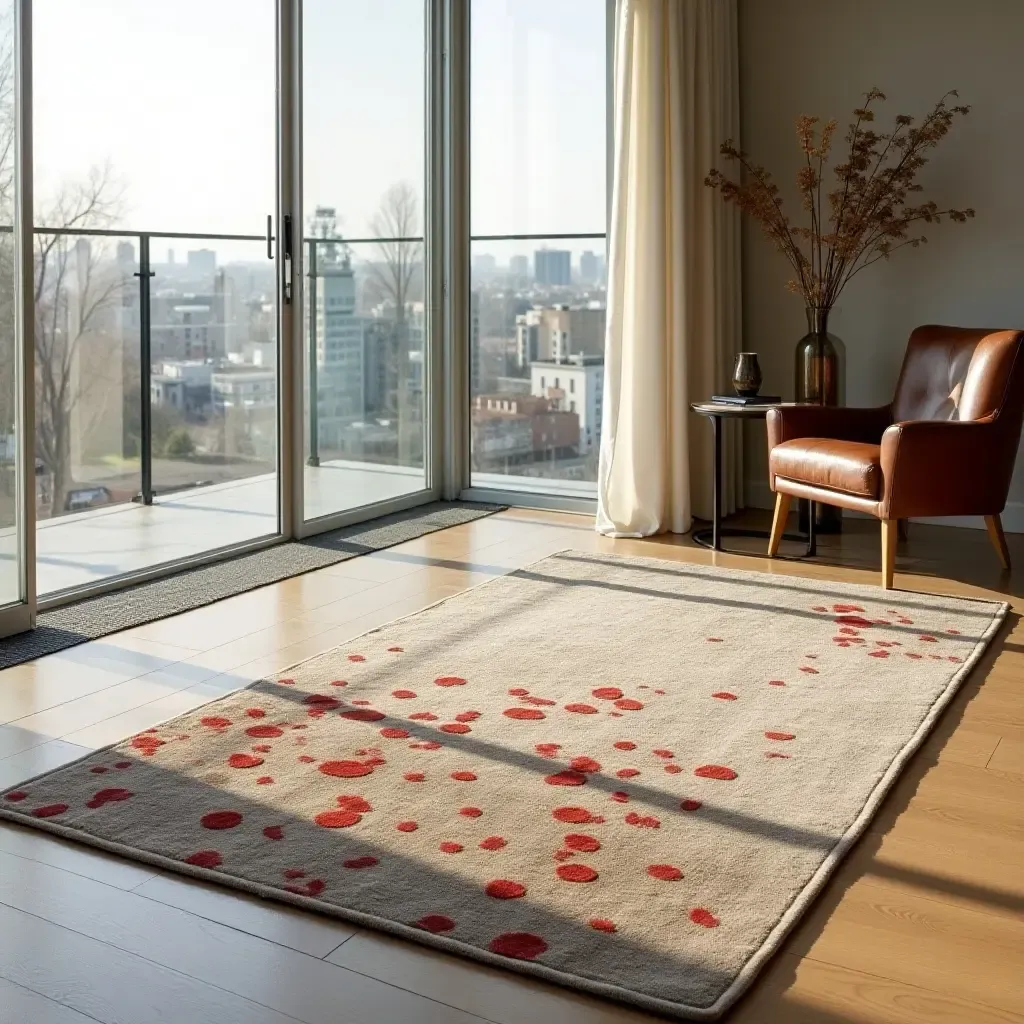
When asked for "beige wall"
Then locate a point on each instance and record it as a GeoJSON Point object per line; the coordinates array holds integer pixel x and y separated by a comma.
{"type": "Point", "coordinates": [817, 57]}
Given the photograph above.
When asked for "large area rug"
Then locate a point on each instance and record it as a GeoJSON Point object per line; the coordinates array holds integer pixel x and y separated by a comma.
{"type": "Point", "coordinates": [89, 619]}
{"type": "Point", "coordinates": [625, 775]}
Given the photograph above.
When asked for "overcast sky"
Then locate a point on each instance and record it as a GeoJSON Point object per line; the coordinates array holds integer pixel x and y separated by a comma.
{"type": "Point", "coordinates": [178, 98]}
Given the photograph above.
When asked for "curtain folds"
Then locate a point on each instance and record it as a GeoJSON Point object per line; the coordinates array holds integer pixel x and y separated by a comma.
{"type": "Point", "coordinates": [673, 266]}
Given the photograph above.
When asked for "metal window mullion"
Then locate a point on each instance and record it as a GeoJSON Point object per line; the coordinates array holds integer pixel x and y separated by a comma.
{"type": "Point", "coordinates": [24, 328]}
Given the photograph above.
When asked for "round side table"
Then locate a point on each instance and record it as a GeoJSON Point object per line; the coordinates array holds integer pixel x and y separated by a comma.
{"type": "Point", "coordinates": [711, 537]}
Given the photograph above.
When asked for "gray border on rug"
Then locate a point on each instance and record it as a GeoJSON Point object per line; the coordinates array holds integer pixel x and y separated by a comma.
{"type": "Point", "coordinates": [681, 1011]}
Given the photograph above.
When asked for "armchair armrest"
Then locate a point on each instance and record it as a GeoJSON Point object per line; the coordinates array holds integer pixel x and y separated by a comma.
{"type": "Point", "coordinates": [788, 422]}
{"type": "Point", "coordinates": [944, 468]}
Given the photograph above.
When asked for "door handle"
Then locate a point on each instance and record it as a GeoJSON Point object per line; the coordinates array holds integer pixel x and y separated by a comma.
{"type": "Point", "coordinates": [270, 236]}
{"type": "Point", "coordinates": [287, 236]}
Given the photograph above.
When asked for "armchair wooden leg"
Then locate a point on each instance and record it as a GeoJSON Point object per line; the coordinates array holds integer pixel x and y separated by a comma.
{"type": "Point", "coordinates": [998, 538]}
{"type": "Point", "coordinates": [778, 523]}
{"type": "Point", "coordinates": [890, 530]}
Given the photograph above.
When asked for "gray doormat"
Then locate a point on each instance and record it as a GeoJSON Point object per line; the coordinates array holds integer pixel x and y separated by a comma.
{"type": "Point", "coordinates": [146, 602]}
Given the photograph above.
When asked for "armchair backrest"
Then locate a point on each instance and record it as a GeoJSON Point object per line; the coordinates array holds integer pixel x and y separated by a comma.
{"type": "Point", "coordinates": [961, 373]}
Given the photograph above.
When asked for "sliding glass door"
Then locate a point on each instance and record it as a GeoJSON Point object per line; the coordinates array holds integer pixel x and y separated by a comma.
{"type": "Point", "coordinates": [156, 324]}
{"type": "Point", "coordinates": [17, 598]}
{"type": "Point", "coordinates": [538, 162]}
{"type": "Point", "coordinates": [366, 339]}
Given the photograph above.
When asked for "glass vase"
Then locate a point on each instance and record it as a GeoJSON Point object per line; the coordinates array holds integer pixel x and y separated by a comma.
{"type": "Point", "coordinates": [821, 379]}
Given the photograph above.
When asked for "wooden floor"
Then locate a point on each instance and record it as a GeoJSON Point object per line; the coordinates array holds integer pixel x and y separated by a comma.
{"type": "Point", "coordinates": [923, 924]}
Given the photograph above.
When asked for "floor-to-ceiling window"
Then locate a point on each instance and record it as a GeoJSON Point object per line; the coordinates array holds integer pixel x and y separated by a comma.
{"type": "Point", "coordinates": [366, 340]}
{"type": "Point", "coordinates": [156, 344]}
{"type": "Point", "coordinates": [538, 169]}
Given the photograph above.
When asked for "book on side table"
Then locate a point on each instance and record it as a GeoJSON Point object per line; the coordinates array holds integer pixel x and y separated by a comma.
{"type": "Point", "coordinates": [740, 400]}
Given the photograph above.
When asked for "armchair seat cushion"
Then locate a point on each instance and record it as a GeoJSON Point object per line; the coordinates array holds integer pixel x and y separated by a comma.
{"type": "Point", "coordinates": [851, 467]}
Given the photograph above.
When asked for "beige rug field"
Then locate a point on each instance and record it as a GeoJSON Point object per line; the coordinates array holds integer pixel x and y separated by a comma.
{"type": "Point", "coordinates": [625, 775]}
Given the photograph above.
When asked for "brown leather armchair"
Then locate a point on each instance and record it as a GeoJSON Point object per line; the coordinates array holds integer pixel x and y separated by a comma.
{"type": "Point", "coordinates": [944, 446]}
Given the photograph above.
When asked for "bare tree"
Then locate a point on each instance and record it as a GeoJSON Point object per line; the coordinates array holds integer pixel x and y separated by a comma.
{"type": "Point", "coordinates": [76, 366]}
{"type": "Point", "coordinates": [396, 225]}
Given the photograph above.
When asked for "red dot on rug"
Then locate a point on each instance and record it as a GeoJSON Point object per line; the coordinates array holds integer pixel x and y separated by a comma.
{"type": "Point", "coordinates": [620, 797]}
{"type": "Point", "coordinates": [572, 815]}
{"type": "Point", "coordinates": [147, 744]}
{"type": "Point", "coordinates": [403, 694]}
{"type": "Point", "coordinates": [601, 924]}
{"type": "Point", "coordinates": [360, 862]}
{"type": "Point", "coordinates": [691, 805]}
{"type": "Point", "coordinates": [575, 873]}
{"type": "Point", "coordinates": [49, 811]}
{"type": "Point", "coordinates": [451, 847]}
{"type": "Point", "coordinates": [518, 945]}
{"type": "Point", "coordinates": [524, 714]}
{"type": "Point", "coordinates": [467, 716]}
{"type": "Point", "coordinates": [624, 745]}
{"type": "Point", "coordinates": [407, 826]}
{"type": "Point", "coordinates": [423, 716]}
{"type": "Point", "coordinates": [518, 691]}
{"type": "Point", "coordinates": [661, 752]}
{"type": "Point", "coordinates": [108, 796]}
{"type": "Point", "coordinates": [627, 773]}
{"type": "Point", "coordinates": [715, 771]}
{"type": "Point", "coordinates": [606, 693]}
{"type": "Point", "coordinates": [345, 769]}
{"type": "Point", "coordinates": [463, 776]}
{"type": "Point", "coordinates": [435, 923]}
{"type": "Point", "coordinates": [704, 917]}
{"type": "Point", "coordinates": [322, 700]}
{"type": "Point", "coordinates": [581, 843]}
{"type": "Point", "coordinates": [306, 759]}
{"type": "Point", "coordinates": [566, 778]}
{"type": "Point", "coordinates": [98, 769]}
{"type": "Point", "coordinates": [16, 796]}
{"type": "Point", "coordinates": [361, 715]}
{"type": "Point", "coordinates": [354, 803]}
{"type": "Point", "coordinates": [356, 657]}
{"type": "Point", "coordinates": [457, 728]}
{"type": "Point", "coordinates": [503, 889]}
{"type": "Point", "coordinates": [122, 764]}
{"type": "Point", "coordinates": [779, 736]}
{"type": "Point", "coordinates": [776, 682]}
{"type": "Point", "coordinates": [426, 745]}
{"type": "Point", "coordinates": [450, 681]}
{"type": "Point", "coordinates": [215, 722]}
{"type": "Point", "coordinates": [642, 821]}
{"type": "Point", "coordinates": [338, 819]}
{"type": "Point", "coordinates": [244, 761]}
{"type": "Point", "coordinates": [492, 843]}
{"type": "Point", "coordinates": [627, 704]}
{"type": "Point", "coordinates": [394, 734]}
{"type": "Point", "coordinates": [414, 777]}
{"type": "Point", "coordinates": [810, 671]}
{"type": "Point", "coordinates": [581, 709]}
{"type": "Point", "coordinates": [205, 859]}
{"type": "Point", "coordinates": [264, 732]}
{"type": "Point", "coordinates": [220, 819]}
{"type": "Point", "coordinates": [470, 812]}
{"type": "Point", "coordinates": [274, 832]}
{"type": "Point", "coordinates": [255, 712]}
{"type": "Point", "coordinates": [666, 872]}
{"type": "Point", "coordinates": [725, 695]}
{"type": "Point", "coordinates": [339, 682]}
{"type": "Point", "coordinates": [585, 764]}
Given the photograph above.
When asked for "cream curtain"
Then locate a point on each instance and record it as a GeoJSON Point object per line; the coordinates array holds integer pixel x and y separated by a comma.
{"type": "Point", "coordinates": [673, 266]}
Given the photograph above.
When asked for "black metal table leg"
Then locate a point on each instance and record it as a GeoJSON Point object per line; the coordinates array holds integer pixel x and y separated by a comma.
{"type": "Point", "coordinates": [716, 522]}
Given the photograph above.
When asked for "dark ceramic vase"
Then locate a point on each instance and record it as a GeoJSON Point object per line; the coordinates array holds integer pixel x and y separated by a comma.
{"type": "Point", "coordinates": [820, 378]}
{"type": "Point", "coordinates": [746, 377]}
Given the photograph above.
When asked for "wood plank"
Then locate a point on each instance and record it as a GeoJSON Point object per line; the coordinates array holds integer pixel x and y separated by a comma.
{"type": "Point", "coordinates": [935, 946]}
{"type": "Point", "coordinates": [795, 991]}
{"type": "Point", "coordinates": [275, 976]}
{"type": "Point", "coordinates": [1008, 757]}
{"type": "Point", "coordinates": [315, 934]}
{"type": "Point", "coordinates": [22, 1005]}
{"type": "Point", "coordinates": [109, 985]}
